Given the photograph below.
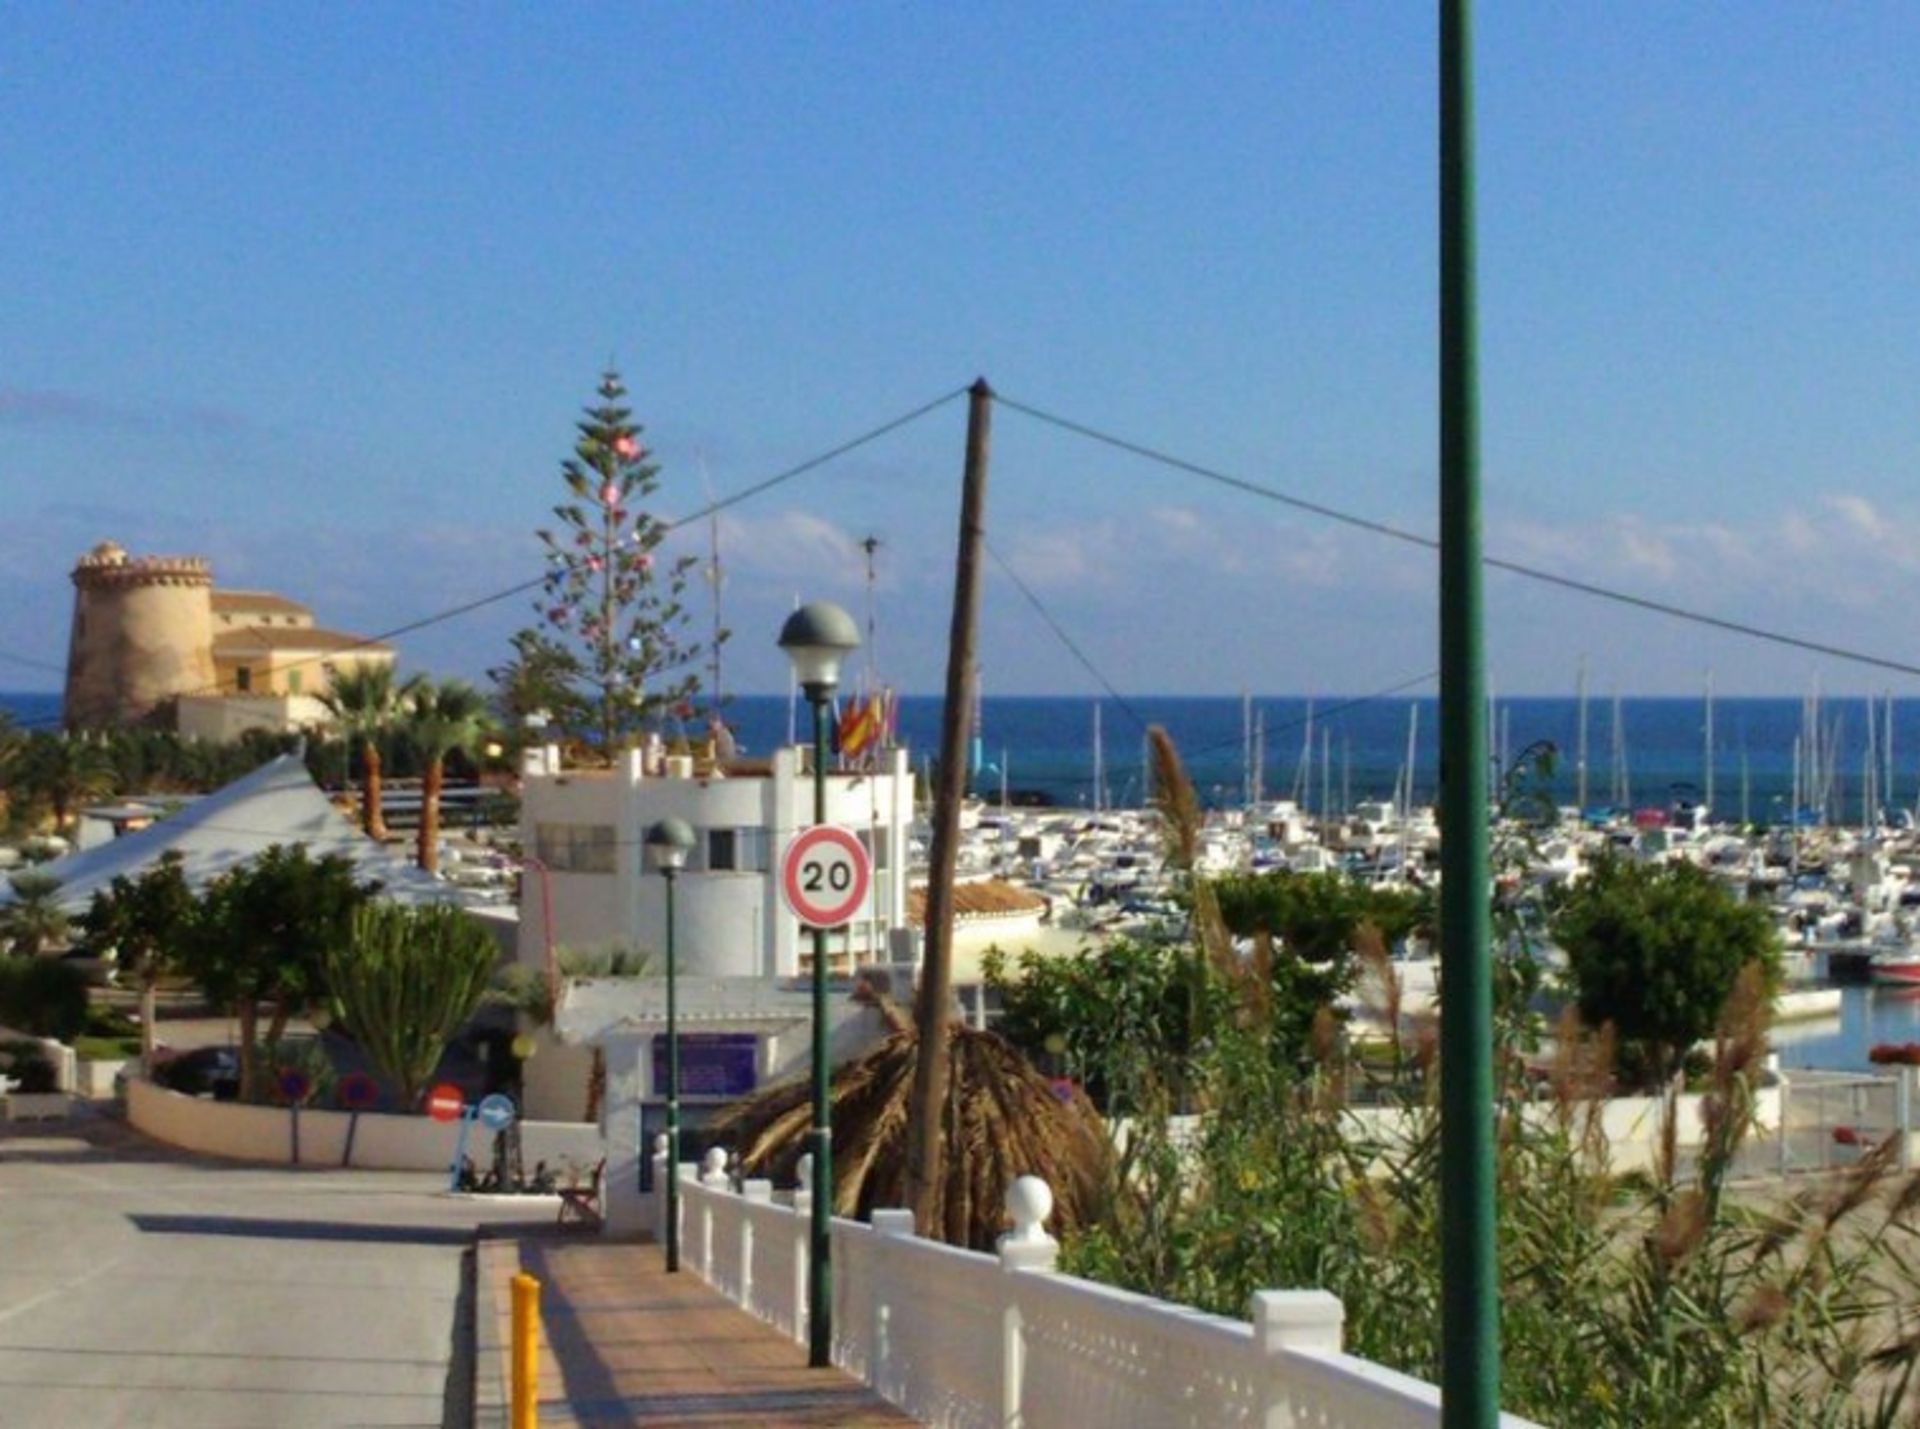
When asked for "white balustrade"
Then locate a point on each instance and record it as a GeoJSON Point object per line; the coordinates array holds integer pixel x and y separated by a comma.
{"type": "Point", "coordinates": [962, 1339]}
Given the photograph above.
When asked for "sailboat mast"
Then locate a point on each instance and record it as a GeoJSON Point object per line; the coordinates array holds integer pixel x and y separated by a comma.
{"type": "Point", "coordinates": [1707, 755]}
{"type": "Point", "coordinates": [1580, 761]}
{"type": "Point", "coordinates": [1326, 774]}
{"type": "Point", "coordinates": [1794, 812]}
{"type": "Point", "coordinates": [1259, 757]}
{"type": "Point", "coordinates": [717, 577]}
{"type": "Point", "coordinates": [1246, 747]}
{"type": "Point", "coordinates": [1099, 763]}
{"type": "Point", "coordinates": [1413, 736]}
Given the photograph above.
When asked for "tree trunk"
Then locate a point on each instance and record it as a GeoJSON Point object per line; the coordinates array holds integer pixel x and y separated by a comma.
{"type": "Point", "coordinates": [149, 1010]}
{"type": "Point", "coordinates": [596, 1085]}
{"type": "Point", "coordinates": [429, 846]}
{"type": "Point", "coordinates": [371, 817]}
{"type": "Point", "coordinates": [277, 1025]}
{"type": "Point", "coordinates": [249, 1026]}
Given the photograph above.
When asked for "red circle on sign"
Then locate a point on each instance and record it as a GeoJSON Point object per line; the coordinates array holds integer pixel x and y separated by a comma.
{"type": "Point", "coordinates": [357, 1090]}
{"type": "Point", "coordinates": [812, 898]}
{"type": "Point", "coordinates": [444, 1102]}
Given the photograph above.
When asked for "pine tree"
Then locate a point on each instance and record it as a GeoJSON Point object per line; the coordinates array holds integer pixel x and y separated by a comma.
{"type": "Point", "coordinates": [606, 599]}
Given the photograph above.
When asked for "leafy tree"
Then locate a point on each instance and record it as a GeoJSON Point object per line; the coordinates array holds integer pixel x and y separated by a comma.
{"type": "Point", "coordinates": [404, 981]}
{"type": "Point", "coordinates": [606, 602]}
{"type": "Point", "coordinates": [265, 930]}
{"type": "Point", "coordinates": [32, 921]}
{"type": "Point", "coordinates": [540, 678]}
{"type": "Point", "coordinates": [1311, 923]}
{"type": "Point", "coordinates": [367, 700]}
{"type": "Point", "coordinates": [62, 771]}
{"type": "Point", "coordinates": [1654, 950]}
{"type": "Point", "coordinates": [1115, 1016]}
{"type": "Point", "coordinates": [43, 996]}
{"type": "Point", "coordinates": [149, 923]}
{"type": "Point", "coordinates": [440, 719]}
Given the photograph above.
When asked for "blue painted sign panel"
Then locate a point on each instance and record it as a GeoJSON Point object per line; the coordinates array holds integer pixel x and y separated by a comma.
{"type": "Point", "coordinates": [712, 1064]}
{"type": "Point", "coordinates": [496, 1112]}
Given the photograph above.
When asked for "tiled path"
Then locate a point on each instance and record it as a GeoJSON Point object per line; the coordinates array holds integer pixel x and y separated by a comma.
{"type": "Point", "coordinates": [623, 1342]}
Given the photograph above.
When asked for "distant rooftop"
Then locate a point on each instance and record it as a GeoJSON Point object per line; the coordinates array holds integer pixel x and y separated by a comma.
{"type": "Point", "coordinates": [262, 602]}
{"type": "Point", "coordinates": [290, 637]}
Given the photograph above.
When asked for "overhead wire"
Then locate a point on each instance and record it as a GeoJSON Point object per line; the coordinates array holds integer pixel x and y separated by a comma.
{"type": "Point", "coordinates": [1415, 538]}
{"type": "Point", "coordinates": [712, 508]}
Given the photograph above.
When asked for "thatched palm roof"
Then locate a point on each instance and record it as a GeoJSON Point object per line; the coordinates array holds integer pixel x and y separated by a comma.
{"type": "Point", "coordinates": [1004, 1119]}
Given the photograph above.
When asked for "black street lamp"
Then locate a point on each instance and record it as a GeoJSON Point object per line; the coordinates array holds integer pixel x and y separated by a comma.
{"type": "Point", "coordinates": [667, 845]}
{"type": "Point", "coordinates": [816, 638]}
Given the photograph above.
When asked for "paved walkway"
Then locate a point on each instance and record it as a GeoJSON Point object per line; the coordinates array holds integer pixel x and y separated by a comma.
{"type": "Point", "coordinates": [626, 1343]}
{"type": "Point", "coordinates": [148, 1288]}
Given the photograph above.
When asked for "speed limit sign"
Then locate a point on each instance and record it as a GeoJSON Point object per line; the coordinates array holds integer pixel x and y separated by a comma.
{"type": "Point", "coordinates": [824, 875]}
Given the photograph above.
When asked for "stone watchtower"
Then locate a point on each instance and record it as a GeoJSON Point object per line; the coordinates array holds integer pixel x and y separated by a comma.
{"type": "Point", "coordinates": [142, 634]}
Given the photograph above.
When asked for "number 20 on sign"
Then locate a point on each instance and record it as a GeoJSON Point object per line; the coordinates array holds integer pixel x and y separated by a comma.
{"type": "Point", "coordinates": [824, 875]}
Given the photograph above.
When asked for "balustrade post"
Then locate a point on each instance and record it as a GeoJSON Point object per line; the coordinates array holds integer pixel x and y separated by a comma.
{"type": "Point", "coordinates": [1028, 1249]}
{"type": "Point", "coordinates": [661, 1170]}
{"type": "Point", "coordinates": [760, 1193]}
{"type": "Point", "coordinates": [1287, 1322]}
{"type": "Point", "coordinates": [887, 1226]}
{"type": "Point", "coordinates": [803, 1219]}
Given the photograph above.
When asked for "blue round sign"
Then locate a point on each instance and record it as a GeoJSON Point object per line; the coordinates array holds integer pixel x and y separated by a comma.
{"type": "Point", "coordinates": [294, 1084]}
{"type": "Point", "coordinates": [496, 1112]}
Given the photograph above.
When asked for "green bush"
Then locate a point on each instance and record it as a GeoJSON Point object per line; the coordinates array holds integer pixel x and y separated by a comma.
{"type": "Point", "coordinates": [27, 1065]}
{"type": "Point", "coordinates": [43, 996]}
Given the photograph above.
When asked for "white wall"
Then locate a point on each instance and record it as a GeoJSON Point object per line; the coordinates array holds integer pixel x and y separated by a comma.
{"type": "Point", "coordinates": [728, 924]}
{"type": "Point", "coordinates": [959, 1338]}
{"type": "Point", "coordinates": [382, 1141]}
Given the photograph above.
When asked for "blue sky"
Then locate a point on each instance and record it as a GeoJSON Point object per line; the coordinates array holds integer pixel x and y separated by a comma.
{"type": "Point", "coordinates": [317, 292]}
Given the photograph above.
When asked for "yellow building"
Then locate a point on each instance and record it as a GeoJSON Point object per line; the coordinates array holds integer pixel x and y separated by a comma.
{"type": "Point", "coordinates": [153, 638]}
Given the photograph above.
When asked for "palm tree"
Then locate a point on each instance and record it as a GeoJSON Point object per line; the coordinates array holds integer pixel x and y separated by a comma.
{"type": "Point", "coordinates": [32, 921]}
{"type": "Point", "coordinates": [1005, 1119]}
{"type": "Point", "coordinates": [366, 699]}
{"type": "Point", "coordinates": [442, 718]}
{"type": "Point", "coordinates": [63, 771]}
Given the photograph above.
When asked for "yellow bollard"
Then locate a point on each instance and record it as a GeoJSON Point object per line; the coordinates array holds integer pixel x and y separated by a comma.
{"type": "Point", "coordinates": [526, 1351]}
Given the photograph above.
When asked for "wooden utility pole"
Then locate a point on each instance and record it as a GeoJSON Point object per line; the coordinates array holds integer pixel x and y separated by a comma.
{"type": "Point", "coordinates": [926, 1121]}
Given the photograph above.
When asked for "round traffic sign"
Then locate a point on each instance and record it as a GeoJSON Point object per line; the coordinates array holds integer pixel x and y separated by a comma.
{"type": "Point", "coordinates": [357, 1091]}
{"type": "Point", "coordinates": [496, 1112]}
{"type": "Point", "coordinates": [824, 875]}
{"type": "Point", "coordinates": [444, 1102]}
{"type": "Point", "coordinates": [294, 1084]}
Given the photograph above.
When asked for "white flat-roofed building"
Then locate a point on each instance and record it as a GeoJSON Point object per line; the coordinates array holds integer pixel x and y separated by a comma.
{"type": "Point", "coordinates": [586, 828]}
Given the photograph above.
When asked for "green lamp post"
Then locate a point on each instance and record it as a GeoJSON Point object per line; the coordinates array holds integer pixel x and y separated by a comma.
{"type": "Point", "coordinates": [816, 638]}
{"type": "Point", "coordinates": [667, 845]}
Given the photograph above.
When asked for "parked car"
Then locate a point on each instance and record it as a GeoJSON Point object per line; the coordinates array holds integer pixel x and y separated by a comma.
{"type": "Point", "coordinates": [203, 1072]}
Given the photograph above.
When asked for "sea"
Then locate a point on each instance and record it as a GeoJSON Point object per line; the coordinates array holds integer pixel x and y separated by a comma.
{"type": "Point", "coordinates": [1331, 751]}
{"type": "Point", "coordinates": [1043, 749]}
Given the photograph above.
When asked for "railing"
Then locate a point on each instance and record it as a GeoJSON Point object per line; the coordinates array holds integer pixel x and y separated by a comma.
{"type": "Point", "coordinates": [962, 1339]}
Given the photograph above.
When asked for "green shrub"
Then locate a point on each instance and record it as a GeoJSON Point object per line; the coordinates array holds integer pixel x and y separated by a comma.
{"type": "Point", "coordinates": [26, 1063]}
{"type": "Point", "coordinates": [43, 996]}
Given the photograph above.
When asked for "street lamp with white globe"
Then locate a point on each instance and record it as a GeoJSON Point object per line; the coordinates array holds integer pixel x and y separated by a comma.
{"type": "Point", "coordinates": [667, 845]}
{"type": "Point", "coordinates": [817, 637]}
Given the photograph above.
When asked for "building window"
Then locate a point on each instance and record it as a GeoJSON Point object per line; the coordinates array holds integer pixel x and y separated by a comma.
{"type": "Point", "coordinates": [877, 846]}
{"type": "Point", "coordinates": [737, 850]}
{"type": "Point", "coordinates": [574, 848]}
{"type": "Point", "coordinates": [243, 679]}
{"type": "Point", "coordinates": [293, 681]}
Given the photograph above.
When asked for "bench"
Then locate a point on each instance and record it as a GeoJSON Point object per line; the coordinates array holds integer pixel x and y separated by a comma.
{"type": "Point", "coordinates": [580, 1205]}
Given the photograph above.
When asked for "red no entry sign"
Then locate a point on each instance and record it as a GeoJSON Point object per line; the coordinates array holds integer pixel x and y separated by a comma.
{"type": "Point", "coordinates": [824, 875]}
{"type": "Point", "coordinates": [444, 1102]}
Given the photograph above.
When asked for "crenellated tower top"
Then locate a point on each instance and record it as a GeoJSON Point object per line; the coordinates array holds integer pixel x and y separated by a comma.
{"type": "Point", "coordinates": [108, 565]}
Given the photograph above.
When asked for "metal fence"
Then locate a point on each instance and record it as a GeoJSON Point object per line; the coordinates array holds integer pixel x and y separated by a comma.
{"type": "Point", "coordinates": [1829, 1120]}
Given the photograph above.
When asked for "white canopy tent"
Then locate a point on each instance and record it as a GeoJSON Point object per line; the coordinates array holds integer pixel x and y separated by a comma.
{"type": "Point", "coordinates": [278, 803]}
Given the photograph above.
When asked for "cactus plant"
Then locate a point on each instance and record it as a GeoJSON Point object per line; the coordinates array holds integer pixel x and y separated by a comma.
{"type": "Point", "coordinates": [404, 982]}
